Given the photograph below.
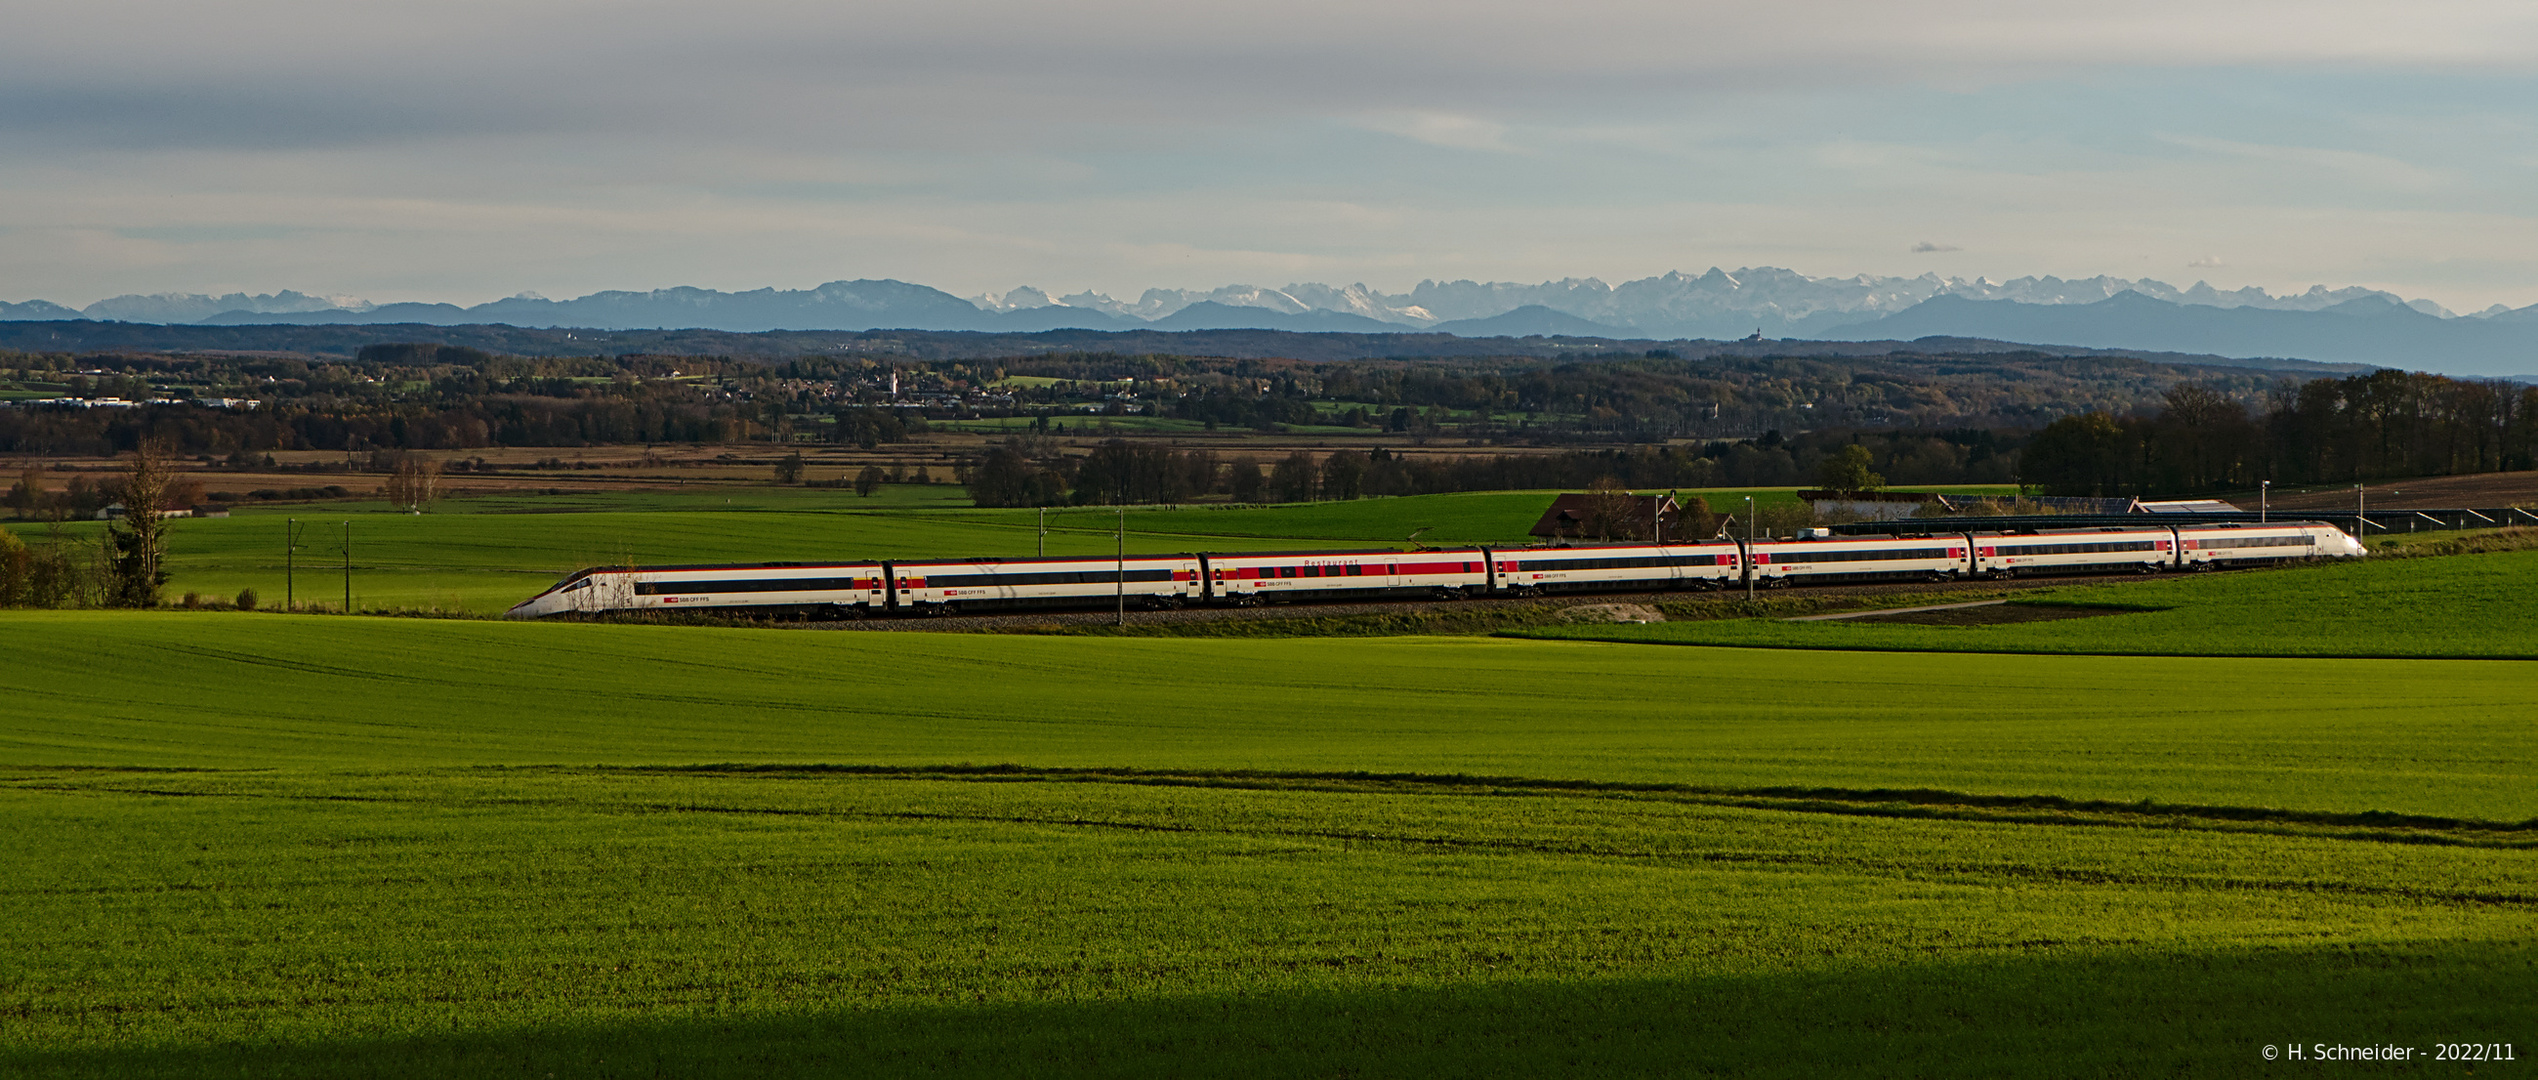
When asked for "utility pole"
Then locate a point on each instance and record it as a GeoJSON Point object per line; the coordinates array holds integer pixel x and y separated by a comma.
{"type": "Point", "coordinates": [1044, 532]}
{"type": "Point", "coordinates": [347, 567]}
{"type": "Point", "coordinates": [1123, 566]}
{"type": "Point", "coordinates": [2264, 501]}
{"type": "Point", "coordinates": [2361, 511]}
{"type": "Point", "coordinates": [1749, 544]}
{"type": "Point", "coordinates": [290, 575]}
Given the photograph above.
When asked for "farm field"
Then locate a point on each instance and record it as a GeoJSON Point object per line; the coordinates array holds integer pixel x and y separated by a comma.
{"type": "Point", "coordinates": [451, 693]}
{"type": "Point", "coordinates": [482, 555]}
{"type": "Point", "coordinates": [2459, 606]}
{"type": "Point", "coordinates": [318, 846]}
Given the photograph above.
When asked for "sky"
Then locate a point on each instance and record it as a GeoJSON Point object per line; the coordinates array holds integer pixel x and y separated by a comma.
{"type": "Point", "coordinates": [465, 150]}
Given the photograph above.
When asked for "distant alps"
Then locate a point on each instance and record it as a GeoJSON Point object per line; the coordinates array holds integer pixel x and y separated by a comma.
{"type": "Point", "coordinates": [2351, 325]}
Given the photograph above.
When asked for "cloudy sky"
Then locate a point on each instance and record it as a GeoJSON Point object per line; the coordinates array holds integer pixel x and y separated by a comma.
{"type": "Point", "coordinates": [465, 150]}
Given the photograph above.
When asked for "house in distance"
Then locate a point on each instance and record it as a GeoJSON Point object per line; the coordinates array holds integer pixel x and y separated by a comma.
{"type": "Point", "coordinates": [1610, 515]}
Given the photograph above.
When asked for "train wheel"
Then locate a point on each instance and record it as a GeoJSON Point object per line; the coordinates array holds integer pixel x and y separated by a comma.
{"type": "Point", "coordinates": [948, 607]}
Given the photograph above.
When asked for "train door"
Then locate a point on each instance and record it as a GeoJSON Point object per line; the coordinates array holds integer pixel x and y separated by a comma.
{"type": "Point", "coordinates": [889, 587]}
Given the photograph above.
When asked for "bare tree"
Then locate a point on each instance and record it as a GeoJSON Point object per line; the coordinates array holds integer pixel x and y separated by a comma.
{"type": "Point", "coordinates": [27, 495]}
{"type": "Point", "coordinates": [1612, 512]}
{"type": "Point", "coordinates": [140, 541]}
{"type": "Point", "coordinates": [415, 483]}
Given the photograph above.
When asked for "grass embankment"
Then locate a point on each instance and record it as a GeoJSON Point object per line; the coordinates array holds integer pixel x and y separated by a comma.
{"type": "Point", "coordinates": [2469, 606]}
{"type": "Point", "coordinates": [317, 846]}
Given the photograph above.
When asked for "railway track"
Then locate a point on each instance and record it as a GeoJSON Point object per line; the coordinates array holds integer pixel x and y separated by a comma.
{"type": "Point", "coordinates": [1007, 621]}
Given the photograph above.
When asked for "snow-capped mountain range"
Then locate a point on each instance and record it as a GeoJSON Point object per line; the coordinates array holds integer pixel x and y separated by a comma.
{"type": "Point", "coordinates": [2348, 325]}
{"type": "Point", "coordinates": [1768, 299]}
{"type": "Point", "coordinates": [1718, 303]}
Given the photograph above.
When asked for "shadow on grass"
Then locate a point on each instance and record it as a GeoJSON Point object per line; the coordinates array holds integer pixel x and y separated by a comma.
{"type": "Point", "coordinates": [2092, 1015]}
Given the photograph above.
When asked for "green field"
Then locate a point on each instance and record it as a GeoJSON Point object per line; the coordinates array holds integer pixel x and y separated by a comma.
{"type": "Point", "coordinates": [317, 846]}
{"type": "Point", "coordinates": [2450, 606]}
{"type": "Point", "coordinates": [482, 555]}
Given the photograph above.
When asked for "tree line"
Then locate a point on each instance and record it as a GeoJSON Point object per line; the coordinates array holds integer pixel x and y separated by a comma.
{"type": "Point", "coordinates": [410, 396]}
{"type": "Point", "coordinates": [2382, 425]}
{"type": "Point", "coordinates": [1032, 471]}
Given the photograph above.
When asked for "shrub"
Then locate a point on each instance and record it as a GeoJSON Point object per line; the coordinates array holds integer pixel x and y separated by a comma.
{"type": "Point", "coordinates": [246, 599]}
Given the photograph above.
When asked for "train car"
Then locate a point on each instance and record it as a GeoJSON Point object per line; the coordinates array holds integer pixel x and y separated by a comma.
{"type": "Point", "coordinates": [1827, 558]}
{"type": "Point", "coordinates": [1617, 568]}
{"type": "Point", "coordinates": [812, 589]}
{"type": "Point", "coordinates": [1278, 576]}
{"type": "Point", "coordinates": [854, 589]}
{"type": "Point", "coordinates": [2136, 549]}
{"type": "Point", "coordinates": [944, 588]}
{"type": "Point", "coordinates": [2201, 547]}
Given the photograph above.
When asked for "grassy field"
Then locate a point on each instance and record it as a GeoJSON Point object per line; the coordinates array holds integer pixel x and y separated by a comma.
{"type": "Point", "coordinates": [482, 555]}
{"type": "Point", "coordinates": [448, 693]}
{"type": "Point", "coordinates": [2449, 606]}
{"type": "Point", "coordinates": [311, 846]}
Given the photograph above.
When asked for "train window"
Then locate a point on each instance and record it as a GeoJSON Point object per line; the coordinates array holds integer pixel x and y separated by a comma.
{"type": "Point", "coordinates": [1313, 571]}
{"type": "Point", "coordinates": [1356, 570]}
{"type": "Point", "coordinates": [578, 585]}
{"type": "Point", "coordinates": [1286, 571]}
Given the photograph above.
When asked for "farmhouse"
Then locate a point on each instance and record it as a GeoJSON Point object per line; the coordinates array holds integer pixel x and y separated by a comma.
{"type": "Point", "coordinates": [1616, 516]}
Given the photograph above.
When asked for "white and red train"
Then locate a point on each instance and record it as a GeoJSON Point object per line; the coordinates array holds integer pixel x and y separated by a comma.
{"type": "Point", "coordinates": [934, 587]}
